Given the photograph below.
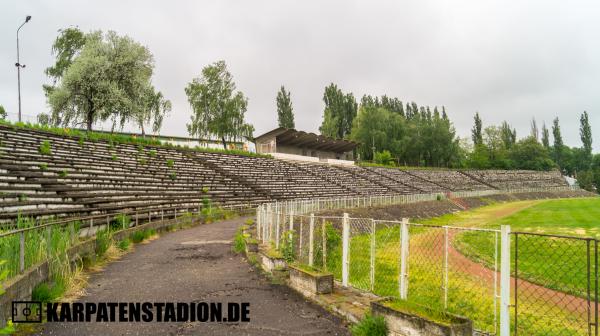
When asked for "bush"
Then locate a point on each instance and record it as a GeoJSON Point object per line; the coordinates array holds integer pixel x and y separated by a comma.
{"type": "Point", "coordinates": [287, 245]}
{"type": "Point", "coordinates": [370, 326]}
{"type": "Point", "coordinates": [63, 173]}
{"type": "Point", "coordinates": [46, 292]}
{"type": "Point", "coordinates": [114, 157]}
{"type": "Point", "coordinates": [239, 242]}
{"type": "Point", "coordinates": [45, 148]}
{"type": "Point", "coordinates": [124, 244]}
{"type": "Point", "coordinates": [152, 153]}
{"type": "Point", "coordinates": [121, 222]}
{"type": "Point", "coordinates": [43, 166]}
{"type": "Point", "coordinates": [103, 241]}
{"type": "Point", "coordinates": [170, 163]}
{"type": "Point", "coordinates": [173, 176]}
{"type": "Point", "coordinates": [384, 158]}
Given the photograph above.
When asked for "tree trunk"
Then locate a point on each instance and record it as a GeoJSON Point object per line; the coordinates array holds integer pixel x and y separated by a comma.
{"type": "Point", "coordinates": [224, 142]}
{"type": "Point", "coordinates": [143, 133]}
{"type": "Point", "coordinates": [90, 119]}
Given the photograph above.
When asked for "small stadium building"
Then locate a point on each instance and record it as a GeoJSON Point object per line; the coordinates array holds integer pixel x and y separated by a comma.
{"type": "Point", "coordinates": [286, 143]}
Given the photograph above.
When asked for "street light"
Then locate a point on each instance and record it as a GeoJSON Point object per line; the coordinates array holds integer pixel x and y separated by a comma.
{"type": "Point", "coordinates": [19, 65]}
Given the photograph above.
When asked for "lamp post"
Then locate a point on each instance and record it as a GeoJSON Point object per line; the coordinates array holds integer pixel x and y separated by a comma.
{"type": "Point", "coordinates": [19, 65]}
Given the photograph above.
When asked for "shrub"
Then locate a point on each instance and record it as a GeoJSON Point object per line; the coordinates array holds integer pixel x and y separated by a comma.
{"type": "Point", "coordinates": [152, 153]}
{"type": "Point", "coordinates": [63, 173]}
{"type": "Point", "coordinates": [287, 245]}
{"type": "Point", "coordinates": [137, 236]}
{"type": "Point", "coordinates": [249, 221]}
{"type": "Point", "coordinates": [43, 166]}
{"type": "Point", "coordinates": [124, 244]}
{"type": "Point", "coordinates": [45, 148]}
{"type": "Point", "coordinates": [114, 157]}
{"type": "Point", "coordinates": [46, 292]}
{"type": "Point", "coordinates": [22, 197]}
{"type": "Point", "coordinates": [384, 158]}
{"type": "Point", "coordinates": [81, 139]}
{"type": "Point", "coordinates": [370, 326]}
{"type": "Point", "coordinates": [140, 148]}
{"type": "Point", "coordinates": [239, 242]}
{"type": "Point", "coordinates": [103, 241]}
{"type": "Point", "coordinates": [142, 161]}
{"type": "Point", "coordinates": [173, 176]}
{"type": "Point", "coordinates": [438, 197]}
{"type": "Point", "coordinates": [121, 222]}
{"type": "Point", "coordinates": [170, 163]}
{"type": "Point", "coordinates": [205, 190]}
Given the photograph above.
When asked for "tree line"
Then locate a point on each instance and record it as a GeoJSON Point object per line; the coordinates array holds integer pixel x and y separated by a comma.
{"type": "Point", "coordinates": [101, 76]}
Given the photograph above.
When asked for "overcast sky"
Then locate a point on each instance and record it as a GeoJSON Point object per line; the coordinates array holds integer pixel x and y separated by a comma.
{"type": "Point", "coordinates": [509, 60]}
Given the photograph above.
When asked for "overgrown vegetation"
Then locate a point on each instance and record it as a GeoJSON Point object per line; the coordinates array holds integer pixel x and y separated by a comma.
{"type": "Point", "coordinates": [370, 326]}
{"type": "Point", "coordinates": [239, 241]}
{"type": "Point", "coordinates": [103, 241]}
{"type": "Point", "coordinates": [45, 148]}
{"type": "Point", "coordinates": [141, 235]}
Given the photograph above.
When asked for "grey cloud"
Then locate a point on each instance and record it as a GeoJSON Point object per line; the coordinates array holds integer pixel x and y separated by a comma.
{"type": "Point", "coordinates": [508, 60]}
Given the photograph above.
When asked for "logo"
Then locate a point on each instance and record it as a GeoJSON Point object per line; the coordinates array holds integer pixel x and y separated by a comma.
{"type": "Point", "coordinates": [27, 311]}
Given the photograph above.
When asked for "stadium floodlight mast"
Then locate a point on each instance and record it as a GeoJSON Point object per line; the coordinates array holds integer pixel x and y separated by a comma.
{"type": "Point", "coordinates": [19, 65]}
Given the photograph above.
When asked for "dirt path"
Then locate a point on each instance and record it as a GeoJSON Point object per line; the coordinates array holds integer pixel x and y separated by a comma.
{"type": "Point", "coordinates": [194, 265]}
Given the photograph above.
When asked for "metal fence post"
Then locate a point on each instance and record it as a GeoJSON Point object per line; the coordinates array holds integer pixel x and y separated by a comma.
{"type": "Point", "coordinates": [324, 237]}
{"type": "Point", "coordinates": [311, 239]}
{"type": "Point", "coordinates": [345, 249]}
{"type": "Point", "coordinates": [446, 267]}
{"type": "Point", "coordinates": [372, 254]}
{"type": "Point", "coordinates": [277, 230]}
{"type": "Point", "coordinates": [48, 242]}
{"type": "Point", "coordinates": [505, 280]}
{"type": "Point", "coordinates": [21, 252]}
{"type": "Point", "coordinates": [403, 289]}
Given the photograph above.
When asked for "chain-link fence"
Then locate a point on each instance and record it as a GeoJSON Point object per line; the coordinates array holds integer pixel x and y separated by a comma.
{"type": "Point", "coordinates": [555, 285]}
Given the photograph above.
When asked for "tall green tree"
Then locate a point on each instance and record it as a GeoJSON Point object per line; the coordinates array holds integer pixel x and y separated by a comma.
{"type": "Point", "coordinates": [508, 135]}
{"type": "Point", "coordinates": [535, 133]}
{"type": "Point", "coordinates": [218, 109]}
{"type": "Point", "coordinates": [476, 132]}
{"type": "Point", "coordinates": [100, 77]}
{"type": "Point", "coordinates": [529, 154]}
{"type": "Point", "coordinates": [67, 45]}
{"type": "Point", "coordinates": [340, 111]}
{"type": "Point", "coordinates": [558, 143]}
{"type": "Point", "coordinates": [3, 113]}
{"type": "Point", "coordinates": [285, 112]}
{"type": "Point", "coordinates": [585, 132]}
{"type": "Point", "coordinates": [545, 137]}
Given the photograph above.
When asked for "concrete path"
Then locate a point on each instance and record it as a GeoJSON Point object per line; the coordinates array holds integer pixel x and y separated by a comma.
{"type": "Point", "coordinates": [195, 265]}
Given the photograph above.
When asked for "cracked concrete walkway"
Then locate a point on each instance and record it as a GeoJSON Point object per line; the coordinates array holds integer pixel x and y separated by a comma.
{"type": "Point", "coordinates": [197, 264]}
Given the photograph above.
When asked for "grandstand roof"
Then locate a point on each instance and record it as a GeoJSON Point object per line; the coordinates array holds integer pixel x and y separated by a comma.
{"type": "Point", "coordinates": [292, 137]}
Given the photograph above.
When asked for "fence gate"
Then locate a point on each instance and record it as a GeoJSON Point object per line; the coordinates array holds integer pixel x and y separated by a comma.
{"type": "Point", "coordinates": [555, 283]}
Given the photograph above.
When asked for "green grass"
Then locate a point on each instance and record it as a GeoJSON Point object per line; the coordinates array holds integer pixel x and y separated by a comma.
{"type": "Point", "coordinates": [425, 312]}
{"type": "Point", "coordinates": [37, 246]}
{"type": "Point", "coordinates": [46, 292]}
{"type": "Point", "coordinates": [556, 263]}
{"type": "Point", "coordinates": [111, 138]}
{"type": "Point", "coordinates": [103, 241]}
{"type": "Point", "coordinates": [124, 244]}
{"type": "Point", "coordinates": [239, 242]}
{"type": "Point", "coordinates": [45, 148]}
{"type": "Point", "coordinates": [141, 235]}
{"type": "Point", "coordinates": [370, 326]}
